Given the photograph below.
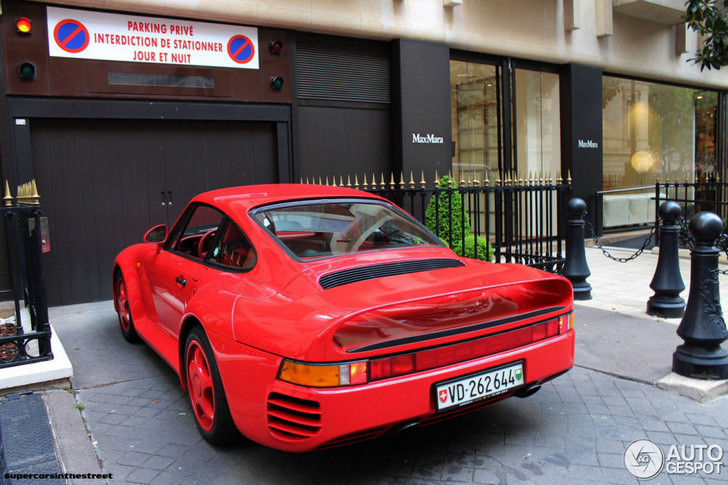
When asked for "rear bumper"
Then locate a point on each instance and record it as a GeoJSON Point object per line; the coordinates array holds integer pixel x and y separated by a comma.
{"type": "Point", "coordinates": [294, 418]}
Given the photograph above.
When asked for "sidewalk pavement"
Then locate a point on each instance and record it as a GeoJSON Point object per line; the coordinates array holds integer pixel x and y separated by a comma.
{"type": "Point", "coordinates": [615, 337]}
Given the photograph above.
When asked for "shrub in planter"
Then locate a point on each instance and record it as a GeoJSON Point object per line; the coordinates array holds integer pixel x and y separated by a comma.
{"type": "Point", "coordinates": [485, 251]}
{"type": "Point", "coordinates": [445, 215]}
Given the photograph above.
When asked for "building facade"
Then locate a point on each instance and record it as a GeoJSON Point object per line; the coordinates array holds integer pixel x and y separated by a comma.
{"type": "Point", "coordinates": [123, 110]}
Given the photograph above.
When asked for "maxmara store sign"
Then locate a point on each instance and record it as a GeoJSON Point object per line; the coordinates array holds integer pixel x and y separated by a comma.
{"type": "Point", "coordinates": [429, 138]}
{"type": "Point", "coordinates": [82, 34]}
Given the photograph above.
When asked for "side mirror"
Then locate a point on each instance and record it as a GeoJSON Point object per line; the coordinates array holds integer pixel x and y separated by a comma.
{"type": "Point", "coordinates": [157, 234]}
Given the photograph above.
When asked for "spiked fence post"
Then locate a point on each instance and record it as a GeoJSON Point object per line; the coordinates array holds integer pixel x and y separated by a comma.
{"type": "Point", "coordinates": [667, 282]}
{"type": "Point", "coordinates": [576, 268]}
{"type": "Point", "coordinates": [702, 327]}
{"type": "Point", "coordinates": [8, 198]}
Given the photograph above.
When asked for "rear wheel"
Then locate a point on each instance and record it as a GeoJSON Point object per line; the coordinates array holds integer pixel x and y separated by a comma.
{"type": "Point", "coordinates": [124, 310]}
{"type": "Point", "coordinates": [207, 396]}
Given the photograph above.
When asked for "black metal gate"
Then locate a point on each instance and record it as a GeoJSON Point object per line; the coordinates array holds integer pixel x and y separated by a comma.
{"type": "Point", "coordinates": [26, 227]}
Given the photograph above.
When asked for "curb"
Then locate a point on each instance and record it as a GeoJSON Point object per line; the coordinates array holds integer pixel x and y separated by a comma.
{"type": "Point", "coordinates": [74, 448]}
{"type": "Point", "coordinates": [696, 389]}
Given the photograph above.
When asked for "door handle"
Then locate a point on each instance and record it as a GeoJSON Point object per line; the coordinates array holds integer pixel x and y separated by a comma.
{"type": "Point", "coordinates": [181, 280]}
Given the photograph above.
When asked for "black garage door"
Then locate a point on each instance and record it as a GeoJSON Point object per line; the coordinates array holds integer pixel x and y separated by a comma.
{"type": "Point", "coordinates": [103, 183]}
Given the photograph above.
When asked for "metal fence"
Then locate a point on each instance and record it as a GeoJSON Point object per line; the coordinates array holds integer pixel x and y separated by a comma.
{"type": "Point", "coordinates": [522, 219]}
{"type": "Point", "coordinates": [706, 194]}
{"type": "Point", "coordinates": [25, 336]}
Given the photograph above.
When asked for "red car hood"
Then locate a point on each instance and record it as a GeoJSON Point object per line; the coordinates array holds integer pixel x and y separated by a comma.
{"type": "Point", "coordinates": [335, 311]}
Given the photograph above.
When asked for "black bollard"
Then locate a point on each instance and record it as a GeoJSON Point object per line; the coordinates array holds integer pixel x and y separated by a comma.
{"type": "Point", "coordinates": [667, 282]}
{"type": "Point", "coordinates": [703, 328]}
{"type": "Point", "coordinates": [576, 268]}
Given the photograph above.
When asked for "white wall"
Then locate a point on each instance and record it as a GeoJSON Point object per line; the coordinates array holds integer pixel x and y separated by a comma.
{"type": "Point", "coordinates": [530, 29]}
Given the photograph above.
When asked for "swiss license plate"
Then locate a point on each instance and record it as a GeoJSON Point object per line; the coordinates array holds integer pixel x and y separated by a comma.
{"type": "Point", "coordinates": [480, 386]}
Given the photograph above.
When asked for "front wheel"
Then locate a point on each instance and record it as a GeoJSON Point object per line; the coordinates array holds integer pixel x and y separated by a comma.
{"type": "Point", "coordinates": [124, 310]}
{"type": "Point", "coordinates": [207, 396]}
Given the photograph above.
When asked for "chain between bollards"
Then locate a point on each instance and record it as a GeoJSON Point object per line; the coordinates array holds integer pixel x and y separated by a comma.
{"type": "Point", "coordinates": [606, 253]}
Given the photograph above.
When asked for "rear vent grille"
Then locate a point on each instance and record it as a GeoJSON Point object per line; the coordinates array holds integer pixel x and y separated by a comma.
{"type": "Point", "coordinates": [293, 419]}
{"type": "Point", "coordinates": [345, 277]}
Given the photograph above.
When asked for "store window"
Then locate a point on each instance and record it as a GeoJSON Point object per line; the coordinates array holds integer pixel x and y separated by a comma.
{"type": "Point", "coordinates": [537, 120]}
{"type": "Point", "coordinates": [479, 131]}
{"type": "Point", "coordinates": [657, 132]}
{"type": "Point", "coordinates": [475, 121]}
{"type": "Point", "coordinates": [653, 133]}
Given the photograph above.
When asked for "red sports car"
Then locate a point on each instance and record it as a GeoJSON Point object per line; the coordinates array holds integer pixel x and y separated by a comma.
{"type": "Point", "coordinates": [306, 317]}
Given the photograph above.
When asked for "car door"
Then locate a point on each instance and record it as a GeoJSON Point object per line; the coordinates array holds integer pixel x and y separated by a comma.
{"type": "Point", "coordinates": [177, 269]}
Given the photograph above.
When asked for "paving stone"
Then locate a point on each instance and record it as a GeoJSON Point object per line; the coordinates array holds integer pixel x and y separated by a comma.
{"type": "Point", "coordinates": [142, 475]}
{"type": "Point", "coordinates": [682, 427]}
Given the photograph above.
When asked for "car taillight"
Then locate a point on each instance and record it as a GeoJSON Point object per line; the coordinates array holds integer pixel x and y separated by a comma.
{"type": "Point", "coordinates": [324, 375]}
{"type": "Point", "coordinates": [566, 323]}
{"type": "Point", "coordinates": [358, 373]}
{"type": "Point", "coordinates": [363, 371]}
{"type": "Point", "coordinates": [460, 352]}
{"type": "Point", "coordinates": [392, 366]}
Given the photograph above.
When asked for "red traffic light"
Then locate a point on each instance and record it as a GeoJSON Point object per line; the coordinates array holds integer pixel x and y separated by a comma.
{"type": "Point", "coordinates": [23, 25]}
{"type": "Point", "coordinates": [275, 47]}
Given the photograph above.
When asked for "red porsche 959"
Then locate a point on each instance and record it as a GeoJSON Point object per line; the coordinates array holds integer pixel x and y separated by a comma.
{"type": "Point", "coordinates": [305, 317]}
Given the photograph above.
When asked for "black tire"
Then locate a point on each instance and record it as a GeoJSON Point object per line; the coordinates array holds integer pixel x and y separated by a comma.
{"type": "Point", "coordinates": [204, 387]}
{"type": "Point", "coordinates": [126, 322]}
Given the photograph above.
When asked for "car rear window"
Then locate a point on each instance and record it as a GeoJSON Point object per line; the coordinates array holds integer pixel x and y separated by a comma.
{"type": "Point", "coordinates": [322, 229]}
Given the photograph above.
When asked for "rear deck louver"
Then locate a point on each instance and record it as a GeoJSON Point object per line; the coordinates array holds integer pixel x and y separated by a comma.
{"type": "Point", "coordinates": [345, 277]}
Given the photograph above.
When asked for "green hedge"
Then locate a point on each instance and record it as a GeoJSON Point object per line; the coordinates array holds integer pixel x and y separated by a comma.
{"type": "Point", "coordinates": [448, 205]}
{"type": "Point", "coordinates": [485, 251]}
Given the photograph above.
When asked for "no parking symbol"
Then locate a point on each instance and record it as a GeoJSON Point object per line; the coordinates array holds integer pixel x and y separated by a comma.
{"type": "Point", "coordinates": [71, 35]}
{"type": "Point", "coordinates": [241, 49]}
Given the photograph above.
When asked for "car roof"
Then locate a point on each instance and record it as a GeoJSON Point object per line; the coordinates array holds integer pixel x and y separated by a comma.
{"type": "Point", "coordinates": [246, 197]}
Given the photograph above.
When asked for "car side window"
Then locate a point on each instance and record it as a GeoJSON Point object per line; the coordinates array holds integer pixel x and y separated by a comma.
{"type": "Point", "coordinates": [233, 249]}
{"type": "Point", "coordinates": [196, 235]}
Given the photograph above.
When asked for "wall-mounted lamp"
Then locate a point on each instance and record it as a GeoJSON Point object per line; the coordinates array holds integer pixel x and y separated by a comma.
{"type": "Point", "coordinates": [24, 26]}
{"type": "Point", "coordinates": [276, 83]}
{"type": "Point", "coordinates": [275, 47]}
{"type": "Point", "coordinates": [26, 70]}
